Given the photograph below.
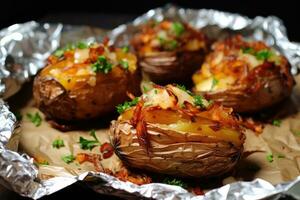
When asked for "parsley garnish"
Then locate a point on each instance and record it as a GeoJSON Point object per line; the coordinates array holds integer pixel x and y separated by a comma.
{"type": "Point", "coordinates": [214, 83]}
{"type": "Point", "coordinates": [182, 87]}
{"type": "Point", "coordinates": [170, 44]}
{"type": "Point", "coordinates": [145, 89]}
{"type": "Point", "coordinates": [82, 45]}
{"type": "Point", "coordinates": [155, 91]}
{"type": "Point", "coordinates": [198, 101]}
{"type": "Point", "coordinates": [124, 64]}
{"type": "Point", "coordinates": [89, 144]}
{"type": "Point", "coordinates": [125, 49]}
{"type": "Point", "coordinates": [58, 143]}
{"type": "Point", "coordinates": [270, 157]}
{"type": "Point", "coordinates": [102, 65]}
{"type": "Point", "coordinates": [177, 28]}
{"type": "Point", "coordinates": [127, 104]}
{"type": "Point", "coordinates": [35, 119]}
{"type": "Point", "coordinates": [71, 46]}
{"type": "Point", "coordinates": [248, 50]}
{"type": "Point", "coordinates": [59, 53]}
{"type": "Point", "coordinates": [276, 122]}
{"type": "Point", "coordinates": [174, 181]}
{"type": "Point", "coordinates": [263, 54]}
{"type": "Point", "coordinates": [167, 44]}
{"type": "Point", "coordinates": [68, 158]}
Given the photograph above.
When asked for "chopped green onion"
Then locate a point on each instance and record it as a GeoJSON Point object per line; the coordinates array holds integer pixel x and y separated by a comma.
{"type": "Point", "coordinates": [35, 119]}
{"type": "Point", "coordinates": [214, 83]}
{"type": "Point", "coordinates": [270, 158]}
{"type": "Point", "coordinates": [263, 54]}
{"type": "Point", "coordinates": [68, 158]}
{"type": "Point", "coordinates": [102, 65]}
{"type": "Point", "coordinates": [127, 104]}
{"type": "Point", "coordinates": [174, 181]}
{"type": "Point", "coordinates": [177, 28]}
{"type": "Point", "coordinates": [198, 101]}
{"type": "Point", "coordinates": [89, 144]}
{"type": "Point", "coordinates": [276, 122]}
{"type": "Point", "coordinates": [58, 143]}
{"type": "Point", "coordinates": [124, 64]}
{"type": "Point", "coordinates": [125, 49]}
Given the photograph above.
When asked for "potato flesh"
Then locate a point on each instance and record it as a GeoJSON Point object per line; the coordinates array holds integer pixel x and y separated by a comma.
{"type": "Point", "coordinates": [172, 120]}
{"type": "Point", "coordinates": [229, 66]}
{"type": "Point", "coordinates": [73, 72]}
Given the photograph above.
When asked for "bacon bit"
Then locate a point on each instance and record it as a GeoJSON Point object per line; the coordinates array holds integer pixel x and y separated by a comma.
{"type": "Point", "coordinates": [111, 48]}
{"type": "Point", "coordinates": [68, 54]}
{"type": "Point", "coordinates": [251, 124]}
{"type": "Point", "coordinates": [125, 175]}
{"type": "Point", "coordinates": [52, 60]}
{"type": "Point", "coordinates": [107, 150]}
{"type": "Point", "coordinates": [190, 109]}
{"type": "Point", "coordinates": [215, 127]}
{"type": "Point", "coordinates": [81, 158]}
{"type": "Point", "coordinates": [197, 190]}
{"type": "Point", "coordinates": [92, 158]}
{"type": "Point", "coordinates": [105, 41]}
{"type": "Point", "coordinates": [94, 53]}
{"type": "Point", "coordinates": [40, 159]}
{"type": "Point", "coordinates": [130, 95]}
{"type": "Point", "coordinates": [157, 86]}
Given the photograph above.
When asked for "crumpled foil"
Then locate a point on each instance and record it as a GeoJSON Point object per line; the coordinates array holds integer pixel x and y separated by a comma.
{"type": "Point", "coordinates": [23, 49]}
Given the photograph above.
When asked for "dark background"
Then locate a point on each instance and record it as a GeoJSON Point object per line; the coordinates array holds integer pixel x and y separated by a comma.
{"type": "Point", "coordinates": [110, 13]}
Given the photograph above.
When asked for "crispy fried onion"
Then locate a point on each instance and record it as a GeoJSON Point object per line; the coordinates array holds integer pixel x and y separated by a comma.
{"type": "Point", "coordinates": [142, 114]}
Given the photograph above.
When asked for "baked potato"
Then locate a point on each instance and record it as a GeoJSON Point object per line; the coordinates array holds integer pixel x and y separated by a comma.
{"type": "Point", "coordinates": [82, 82]}
{"type": "Point", "coordinates": [168, 130]}
{"type": "Point", "coordinates": [245, 75]}
{"type": "Point", "coordinates": [169, 51]}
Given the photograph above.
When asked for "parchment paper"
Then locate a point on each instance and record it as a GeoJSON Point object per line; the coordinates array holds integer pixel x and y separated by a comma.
{"type": "Point", "coordinates": [282, 142]}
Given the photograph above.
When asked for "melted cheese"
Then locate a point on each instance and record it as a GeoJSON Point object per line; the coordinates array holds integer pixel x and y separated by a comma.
{"type": "Point", "coordinates": [81, 55]}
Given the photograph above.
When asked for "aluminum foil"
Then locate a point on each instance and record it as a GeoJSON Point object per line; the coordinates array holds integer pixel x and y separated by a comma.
{"type": "Point", "coordinates": [23, 49]}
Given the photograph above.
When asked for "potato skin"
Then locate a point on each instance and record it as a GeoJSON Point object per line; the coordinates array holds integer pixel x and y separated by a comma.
{"type": "Point", "coordinates": [174, 153]}
{"type": "Point", "coordinates": [69, 89]}
{"type": "Point", "coordinates": [255, 86]}
{"type": "Point", "coordinates": [161, 135]}
{"type": "Point", "coordinates": [164, 67]}
{"type": "Point", "coordinates": [273, 89]}
{"type": "Point", "coordinates": [85, 102]}
{"type": "Point", "coordinates": [162, 63]}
